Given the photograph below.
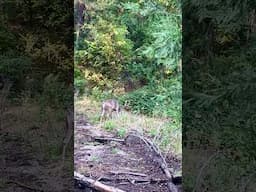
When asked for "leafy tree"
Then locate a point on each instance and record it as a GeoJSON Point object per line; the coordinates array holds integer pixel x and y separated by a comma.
{"type": "Point", "coordinates": [138, 38]}
{"type": "Point", "coordinates": [219, 41]}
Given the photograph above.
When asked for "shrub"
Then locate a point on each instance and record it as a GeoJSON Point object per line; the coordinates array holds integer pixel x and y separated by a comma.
{"type": "Point", "coordinates": [162, 100]}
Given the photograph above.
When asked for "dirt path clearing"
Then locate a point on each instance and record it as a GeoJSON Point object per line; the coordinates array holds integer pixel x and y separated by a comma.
{"type": "Point", "coordinates": [129, 167]}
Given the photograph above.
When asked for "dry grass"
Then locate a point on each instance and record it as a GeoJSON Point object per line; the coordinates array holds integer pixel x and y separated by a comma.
{"type": "Point", "coordinates": [160, 130]}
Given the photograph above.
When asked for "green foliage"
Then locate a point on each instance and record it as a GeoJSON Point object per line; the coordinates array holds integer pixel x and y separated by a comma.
{"type": "Point", "coordinates": [103, 47]}
{"type": "Point", "coordinates": [34, 47]}
{"type": "Point", "coordinates": [218, 108]}
{"type": "Point", "coordinates": [171, 136]}
{"type": "Point", "coordinates": [163, 32]}
{"type": "Point", "coordinates": [135, 44]}
{"type": "Point", "coordinates": [121, 132]}
{"type": "Point", "coordinates": [109, 125]}
{"type": "Point", "coordinates": [31, 48]}
{"type": "Point", "coordinates": [153, 132]}
{"type": "Point", "coordinates": [137, 41]}
{"type": "Point", "coordinates": [79, 80]}
{"type": "Point", "coordinates": [139, 37]}
{"type": "Point", "coordinates": [161, 100]}
{"type": "Point", "coordinates": [156, 33]}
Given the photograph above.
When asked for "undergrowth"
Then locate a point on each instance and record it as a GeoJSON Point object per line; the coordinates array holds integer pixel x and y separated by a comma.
{"type": "Point", "coordinates": [164, 131]}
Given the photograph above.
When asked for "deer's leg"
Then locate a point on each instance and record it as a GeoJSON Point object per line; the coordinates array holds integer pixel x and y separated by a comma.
{"type": "Point", "coordinates": [117, 112]}
{"type": "Point", "coordinates": [102, 115]}
{"type": "Point", "coordinates": [111, 114]}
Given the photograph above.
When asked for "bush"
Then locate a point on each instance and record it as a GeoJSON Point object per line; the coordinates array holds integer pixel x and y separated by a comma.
{"type": "Point", "coordinates": [163, 100]}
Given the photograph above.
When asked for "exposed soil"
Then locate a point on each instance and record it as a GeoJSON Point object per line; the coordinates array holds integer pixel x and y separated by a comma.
{"type": "Point", "coordinates": [129, 165]}
{"type": "Point", "coordinates": [23, 166]}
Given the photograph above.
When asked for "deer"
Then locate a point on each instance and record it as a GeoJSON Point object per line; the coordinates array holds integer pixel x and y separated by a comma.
{"type": "Point", "coordinates": [108, 107]}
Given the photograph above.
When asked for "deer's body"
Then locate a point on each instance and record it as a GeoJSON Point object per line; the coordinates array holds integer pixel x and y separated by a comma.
{"type": "Point", "coordinates": [108, 107]}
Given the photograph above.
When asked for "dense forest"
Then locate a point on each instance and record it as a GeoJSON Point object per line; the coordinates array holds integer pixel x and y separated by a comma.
{"type": "Point", "coordinates": [36, 88]}
{"type": "Point", "coordinates": [219, 95]}
{"type": "Point", "coordinates": [34, 50]}
{"type": "Point", "coordinates": [131, 50]}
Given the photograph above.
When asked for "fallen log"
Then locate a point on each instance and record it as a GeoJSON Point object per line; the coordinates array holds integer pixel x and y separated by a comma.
{"type": "Point", "coordinates": [108, 139]}
{"type": "Point", "coordinates": [95, 184]}
{"type": "Point", "coordinates": [128, 173]}
{"type": "Point", "coordinates": [135, 180]}
{"type": "Point", "coordinates": [161, 160]}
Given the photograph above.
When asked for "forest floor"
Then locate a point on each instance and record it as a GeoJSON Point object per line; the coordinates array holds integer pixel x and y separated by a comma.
{"type": "Point", "coordinates": [30, 153]}
{"type": "Point", "coordinates": [31, 144]}
{"type": "Point", "coordinates": [109, 157]}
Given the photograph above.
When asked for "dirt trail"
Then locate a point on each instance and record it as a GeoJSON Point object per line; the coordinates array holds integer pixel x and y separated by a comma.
{"type": "Point", "coordinates": [129, 165]}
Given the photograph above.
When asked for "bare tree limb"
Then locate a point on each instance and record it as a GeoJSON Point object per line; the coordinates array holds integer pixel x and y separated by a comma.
{"type": "Point", "coordinates": [162, 162]}
{"type": "Point", "coordinates": [128, 173]}
{"type": "Point", "coordinates": [95, 184]}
